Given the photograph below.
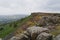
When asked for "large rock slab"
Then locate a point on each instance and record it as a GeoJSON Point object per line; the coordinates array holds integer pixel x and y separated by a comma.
{"type": "Point", "coordinates": [34, 33]}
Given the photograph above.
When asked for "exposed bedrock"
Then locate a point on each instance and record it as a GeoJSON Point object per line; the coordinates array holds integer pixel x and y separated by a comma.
{"type": "Point", "coordinates": [34, 33]}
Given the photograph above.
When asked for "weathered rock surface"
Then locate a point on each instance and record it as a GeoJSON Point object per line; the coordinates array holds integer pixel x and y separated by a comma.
{"type": "Point", "coordinates": [34, 33]}
{"type": "Point", "coordinates": [57, 37]}
{"type": "Point", "coordinates": [49, 20]}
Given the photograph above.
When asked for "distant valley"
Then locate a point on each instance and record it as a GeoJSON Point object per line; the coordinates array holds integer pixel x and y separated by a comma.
{"type": "Point", "coordinates": [10, 18]}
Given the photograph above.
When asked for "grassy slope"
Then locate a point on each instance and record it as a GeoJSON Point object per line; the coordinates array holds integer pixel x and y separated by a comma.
{"type": "Point", "coordinates": [8, 29]}
{"type": "Point", "coordinates": [5, 31]}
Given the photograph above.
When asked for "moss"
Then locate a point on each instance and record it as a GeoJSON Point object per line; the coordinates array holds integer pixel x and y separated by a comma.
{"type": "Point", "coordinates": [56, 31]}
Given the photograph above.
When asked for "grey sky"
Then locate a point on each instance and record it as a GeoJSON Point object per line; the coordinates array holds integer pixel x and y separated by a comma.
{"type": "Point", "coordinates": [9, 7]}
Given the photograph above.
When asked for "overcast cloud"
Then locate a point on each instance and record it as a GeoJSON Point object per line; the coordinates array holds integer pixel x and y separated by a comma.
{"type": "Point", "coordinates": [8, 7]}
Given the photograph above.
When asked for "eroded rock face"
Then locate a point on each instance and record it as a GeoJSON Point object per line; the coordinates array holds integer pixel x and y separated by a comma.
{"type": "Point", "coordinates": [44, 36]}
{"type": "Point", "coordinates": [34, 33]}
{"type": "Point", "coordinates": [36, 30]}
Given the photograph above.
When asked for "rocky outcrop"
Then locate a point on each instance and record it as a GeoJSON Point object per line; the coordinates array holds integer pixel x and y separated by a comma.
{"type": "Point", "coordinates": [50, 20]}
{"type": "Point", "coordinates": [46, 18]}
{"type": "Point", "coordinates": [48, 23]}
{"type": "Point", "coordinates": [34, 33]}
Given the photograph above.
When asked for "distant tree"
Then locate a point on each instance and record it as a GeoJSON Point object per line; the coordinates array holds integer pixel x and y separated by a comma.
{"type": "Point", "coordinates": [1, 29]}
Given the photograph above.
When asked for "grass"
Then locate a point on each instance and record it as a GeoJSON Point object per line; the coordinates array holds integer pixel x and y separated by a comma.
{"type": "Point", "coordinates": [6, 31]}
